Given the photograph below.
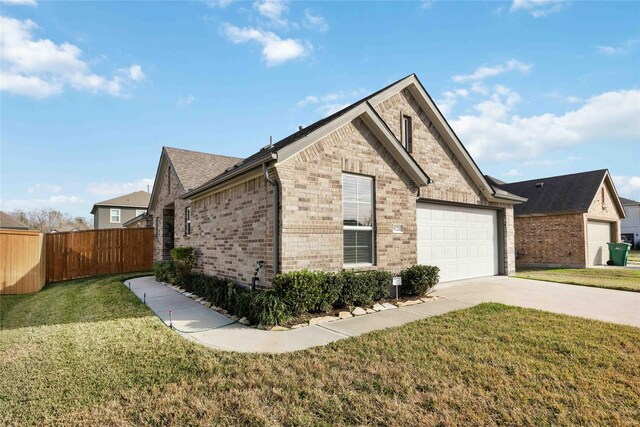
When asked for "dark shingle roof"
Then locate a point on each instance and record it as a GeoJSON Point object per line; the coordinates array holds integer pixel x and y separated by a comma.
{"type": "Point", "coordinates": [7, 221]}
{"type": "Point", "coordinates": [626, 201]}
{"type": "Point", "coordinates": [558, 194]}
{"type": "Point", "coordinates": [194, 168]}
{"type": "Point", "coordinates": [137, 199]}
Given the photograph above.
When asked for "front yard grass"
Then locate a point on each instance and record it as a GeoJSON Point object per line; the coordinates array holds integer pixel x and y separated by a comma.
{"type": "Point", "coordinates": [611, 278]}
{"type": "Point", "coordinates": [108, 361]}
{"type": "Point", "coordinates": [634, 255]}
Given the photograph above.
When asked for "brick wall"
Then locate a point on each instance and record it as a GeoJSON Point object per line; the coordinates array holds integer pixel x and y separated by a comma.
{"type": "Point", "coordinates": [166, 213]}
{"type": "Point", "coordinates": [312, 201]}
{"type": "Point", "coordinates": [603, 208]}
{"type": "Point", "coordinates": [232, 229]}
{"type": "Point", "coordinates": [551, 240]}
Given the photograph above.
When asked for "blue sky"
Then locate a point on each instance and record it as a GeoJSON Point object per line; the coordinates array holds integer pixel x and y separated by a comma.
{"type": "Point", "coordinates": [91, 91]}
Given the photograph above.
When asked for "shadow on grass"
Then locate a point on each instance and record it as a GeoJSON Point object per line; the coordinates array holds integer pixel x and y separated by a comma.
{"type": "Point", "coordinates": [76, 301]}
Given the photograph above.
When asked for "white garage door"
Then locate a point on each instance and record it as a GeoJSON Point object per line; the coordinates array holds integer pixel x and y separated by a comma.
{"type": "Point", "coordinates": [462, 241]}
{"type": "Point", "coordinates": [598, 234]}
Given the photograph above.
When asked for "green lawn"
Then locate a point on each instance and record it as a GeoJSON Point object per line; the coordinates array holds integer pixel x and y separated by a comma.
{"type": "Point", "coordinates": [612, 278]}
{"type": "Point", "coordinates": [88, 352]}
{"type": "Point", "coordinates": [634, 255]}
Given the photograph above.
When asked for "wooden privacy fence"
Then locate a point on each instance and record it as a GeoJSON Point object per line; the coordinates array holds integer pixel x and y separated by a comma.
{"type": "Point", "coordinates": [96, 252]}
{"type": "Point", "coordinates": [22, 261]}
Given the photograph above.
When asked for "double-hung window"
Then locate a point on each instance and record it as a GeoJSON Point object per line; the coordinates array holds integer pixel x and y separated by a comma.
{"type": "Point", "coordinates": [357, 215]}
{"type": "Point", "coordinates": [407, 133]}
{"type": "Point", "coordinates": [114, 216]}
{"type": "Point", "coordinates": [187, 221]}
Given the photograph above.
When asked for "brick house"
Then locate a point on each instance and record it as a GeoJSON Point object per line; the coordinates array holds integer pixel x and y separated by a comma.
{"type": "Point", "coordinates": [384, 183]}
{"type": "Point", "coordinates": [567, 220]}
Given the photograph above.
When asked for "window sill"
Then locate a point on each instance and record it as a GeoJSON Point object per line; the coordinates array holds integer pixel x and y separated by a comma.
{"type": "Point", "coordinates": [364, 267]}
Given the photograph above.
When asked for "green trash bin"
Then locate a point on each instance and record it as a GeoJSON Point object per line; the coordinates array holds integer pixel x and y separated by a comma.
{"type": "Point", "coordinates": [618, 253]}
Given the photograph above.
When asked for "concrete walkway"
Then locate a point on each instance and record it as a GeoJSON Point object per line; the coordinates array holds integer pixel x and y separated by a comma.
{"type": "Point", "coordinates": [212, 329]}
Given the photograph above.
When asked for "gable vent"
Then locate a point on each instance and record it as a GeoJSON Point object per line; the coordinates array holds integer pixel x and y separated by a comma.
{"type": "Point", "coordinates": [539, 184]}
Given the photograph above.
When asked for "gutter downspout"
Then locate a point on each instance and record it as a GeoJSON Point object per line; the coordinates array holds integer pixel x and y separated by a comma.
{"type": "Point", "coordinates": [276, 219]}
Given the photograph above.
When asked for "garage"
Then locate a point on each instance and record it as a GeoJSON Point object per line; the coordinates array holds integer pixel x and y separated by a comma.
{"type": "Point", "coordinates": [598, 235]}
{"type": "Point", "coordinates": [462, 241]}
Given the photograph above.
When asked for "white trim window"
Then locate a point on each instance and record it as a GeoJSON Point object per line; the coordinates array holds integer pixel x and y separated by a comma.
{"type": "Point", "coordinates": [357, 220]}
{"type": "Point", "coordinates": [114, 216]}
{"type": "Point", "coordinates": [407, 133]}
{"type": "Point", "coordinates": [187, 221]}
{"type": "Point", "coordinates": [140, 212]}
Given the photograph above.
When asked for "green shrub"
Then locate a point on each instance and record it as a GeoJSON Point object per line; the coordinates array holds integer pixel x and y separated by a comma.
{"type": "Point", "coordinates": [354, 290]}
{"type": "Point", "coordinates": [418, 280]}
{"type": "Point", "coordinates": [299, 290]}
{"type": "Point", "coordinates": [164, 271]}
{"type": "Point", "coordinates": [183, 260]}
{"type": "Point", "coordinates": [330, 286]}
{"type": "Point", "coordinates": [267, 308]}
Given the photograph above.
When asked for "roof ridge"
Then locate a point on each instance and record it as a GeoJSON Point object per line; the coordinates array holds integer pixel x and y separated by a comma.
{"type": "Point", "coordinates": [557, 176]}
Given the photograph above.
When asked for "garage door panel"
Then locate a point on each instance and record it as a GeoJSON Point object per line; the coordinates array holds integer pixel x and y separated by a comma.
{"type": "Point", "coordinates": [461, 241]}
{"type": "Point", "coordinates": [598, 235]}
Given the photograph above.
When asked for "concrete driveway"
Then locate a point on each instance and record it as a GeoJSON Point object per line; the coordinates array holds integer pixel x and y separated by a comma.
{"type": "Point", "coordinates": [210, 328]}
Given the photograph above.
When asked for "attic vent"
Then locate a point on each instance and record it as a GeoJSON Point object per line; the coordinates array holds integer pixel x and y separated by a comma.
{"type": "Point", "coordinates": [539, 184]}
{"type": "Point", "coordinates": [300, 127]}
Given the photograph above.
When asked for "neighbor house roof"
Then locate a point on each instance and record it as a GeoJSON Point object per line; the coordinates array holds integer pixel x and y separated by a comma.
{"type": "Point", "coordinates": [137, 199]}
{"type": "Point", "coordinates": [142, 216]}
{"type": "Point", "coordinates": [627, 202]}
{"type": "Point", "coordinates": [572, 193]}
{"type": "Point", "coordinates": [289, 146]}
{"type": "Point", "coordinates": [7, 221]}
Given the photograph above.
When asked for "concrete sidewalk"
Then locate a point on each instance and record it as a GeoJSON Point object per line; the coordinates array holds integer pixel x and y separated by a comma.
{"type": "Point", "coordinates": [210, 328]}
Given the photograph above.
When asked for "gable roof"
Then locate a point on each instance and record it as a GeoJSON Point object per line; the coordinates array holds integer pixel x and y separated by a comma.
{"type": "Point", "coordinates": [7, 221]}
{"type": "Point", "coordinates": [193, 168]}
{"type": "Point", "coordinates": [294, 143]}
{"type": "Point", "coordinates": [627, 202]}
{"type": "Point", "coordinates": [571, 193]}
{"type": "Point", "coordinates": [137, 199]}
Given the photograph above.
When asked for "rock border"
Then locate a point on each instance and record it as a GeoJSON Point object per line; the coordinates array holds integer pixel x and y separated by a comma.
{"type": "Point", "coordinates": [318, 320]}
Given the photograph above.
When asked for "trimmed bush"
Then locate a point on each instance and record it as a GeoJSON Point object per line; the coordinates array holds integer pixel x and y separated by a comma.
{"type": "Point", "coordinates": [299, 290]}
{"type": "Point", "coordinates": [267, 308]}
{"type": "Point", "coordinates": [330, 286]}
{"type": "Point", "coordinates": [418, 280]}
{"type": "Point", "coordinates": [164, 271]}
{"type": "Point", "coordinates": [183, 260]}
{"type": "Point", "coordinates": [379, 281]}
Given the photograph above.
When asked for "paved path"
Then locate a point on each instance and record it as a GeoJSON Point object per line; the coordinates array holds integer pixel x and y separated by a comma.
{"type": "Point", "coordinates": [210, 328]}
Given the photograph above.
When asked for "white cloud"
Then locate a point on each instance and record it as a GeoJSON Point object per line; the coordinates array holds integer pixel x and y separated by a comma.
{"type": "Point", "coordinates": [118, 188]}
{"type": "Point", "coordinates": [44, 188]}
{"type": "Point", "coordinates": [274, 10]}
{"type": "Point", "coordinates": [621, 49]}
{"type": "Point", "coordinates": [20, 2]}
{"type": "Point", "coordinates": [628, 186]}
{"type": "Point", "coordinates": [275, 51]}
{"type": "Point", "coordinates": [219, 3]}
{"type": "Point", "coordinates": [500, 103]}
{"type": "Point", "coordinates": [485, 72]}
{"type": "Point", "coordinates": [185, 100]}
{"type": "Point", "coordinates": [40, 68]}
{"type": "Point", "coordinates": [538, 8]}
{"type": "Point", "coordinates": [512, 172]}
{"type": "Point", "coordinates": [604, 117]}
{"type": "Point", "coordinates": [316, 22]}
{"type": "Point", "coordinates": [426, 4]}
{"type": "Point", "coordinates": [329, 109]}
{"type": "Point", "coordinates": [51, 202]}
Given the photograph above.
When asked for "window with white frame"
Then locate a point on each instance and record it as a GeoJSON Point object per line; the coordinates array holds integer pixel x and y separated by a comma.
{"type": "Point", "coordinates": [114, 216]}
{"type": "Point", "coordinates": [187, 221]}
{"type": "Point", "coordinates": [140, 211]}
{"type": "Point", "coordinates": [357, 219]}
{"type": "Point", "coordinates": [407, 133]}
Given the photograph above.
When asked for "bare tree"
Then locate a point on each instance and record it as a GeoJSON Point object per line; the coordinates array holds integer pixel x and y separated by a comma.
{"type": "Point", "coordinates": [48, 220]}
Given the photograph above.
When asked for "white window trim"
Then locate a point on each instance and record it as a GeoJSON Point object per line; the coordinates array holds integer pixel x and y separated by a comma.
{"type": "Point", "coordinates": [140, 212]}
{"type": "Point", "coordinates": [362, 228]}
{"type": "Point", "coordinates": [111, 211]}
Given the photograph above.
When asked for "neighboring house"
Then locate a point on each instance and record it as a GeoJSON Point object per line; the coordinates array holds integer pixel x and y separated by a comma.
{"type": "Point", "coordinates": [179, 171]}
{"type": "Point", "coordinates": [630, 226]}
{"type": "Point", "coordinates": [10, 223]}
{"type": "Point", "coordinates": [567, 220]}
{"type": "Point", "coordinates": [142, 220]}
{"type": "Point", "coordinates": [113, 213]}
{"type": "Point", "coordinates": [384, 183]}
